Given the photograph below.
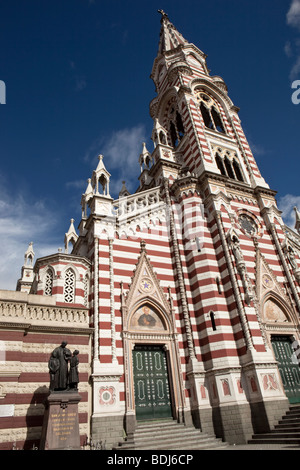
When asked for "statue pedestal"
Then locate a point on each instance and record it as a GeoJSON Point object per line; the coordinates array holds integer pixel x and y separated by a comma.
{"type": "Point", "coordinates": [61, 425]}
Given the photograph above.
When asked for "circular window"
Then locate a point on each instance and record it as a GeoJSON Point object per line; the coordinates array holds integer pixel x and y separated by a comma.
{"type": "Point", "coordinates": [146, 285]}
{"type": "Point", "coordinates": [248, 224]}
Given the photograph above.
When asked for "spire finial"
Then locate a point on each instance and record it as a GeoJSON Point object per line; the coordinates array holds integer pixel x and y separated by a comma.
{"type": "Point", "coordinates": [163, 14]}
{"type": "Point", "coordinates": [143, 246]}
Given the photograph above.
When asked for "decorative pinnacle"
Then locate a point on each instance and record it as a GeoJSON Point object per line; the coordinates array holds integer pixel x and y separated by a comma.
{"type": "Point", "coordinates": [143, 246]}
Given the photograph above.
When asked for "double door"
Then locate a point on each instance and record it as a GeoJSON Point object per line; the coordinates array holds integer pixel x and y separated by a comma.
{"type": "Point", "coordinates": [151, 383]}
{"type": "Point", "coordinates": [288, 366]}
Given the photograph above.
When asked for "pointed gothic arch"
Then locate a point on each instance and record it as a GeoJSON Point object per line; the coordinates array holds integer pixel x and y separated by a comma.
{"type": "Point", "coordinates": [86, 289]}
{"type": "Point", "coordinates": [69, 285]}
{"type": "Point", "coordinates": [275, 309]}
{"type": "Point", "coordinates": [48, 281]}
{"type": "Point", "coordinates": [147, 315]}
{"type": "Point", "coordinates": [148, 323]}
{"type": "Point", "coordinates": [210, 112]}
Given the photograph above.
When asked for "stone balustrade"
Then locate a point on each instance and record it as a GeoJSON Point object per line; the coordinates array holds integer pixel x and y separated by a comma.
{"type": "Point", "coordinates": [38, 310]}
{"type": "Point", "coordinates": [137, 203]}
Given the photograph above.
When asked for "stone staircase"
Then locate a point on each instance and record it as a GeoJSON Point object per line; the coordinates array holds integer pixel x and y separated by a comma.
{"type": "Point", "coordinates": [287, 431]}
{"type": "Point", "coordinates": [170, 435]}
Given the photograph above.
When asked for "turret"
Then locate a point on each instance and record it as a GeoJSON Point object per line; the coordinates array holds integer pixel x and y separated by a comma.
{"type": "Point", "coordinates": [24, 284]}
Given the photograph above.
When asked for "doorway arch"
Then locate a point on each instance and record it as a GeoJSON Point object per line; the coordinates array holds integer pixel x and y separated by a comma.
{"type": "Point", "coordinates": [283, 335]}
{"type": "Point", "coordinates": [152, 365]}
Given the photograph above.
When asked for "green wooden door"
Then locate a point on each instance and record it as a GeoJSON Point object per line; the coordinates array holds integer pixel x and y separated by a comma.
{"type": "Point", "coordinates": [151, 383]}
{"type": "Point", "coordinates": [288, 368]}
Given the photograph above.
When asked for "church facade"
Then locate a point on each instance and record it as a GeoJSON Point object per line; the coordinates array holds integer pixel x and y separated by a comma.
{"type": "Point", "coordinates": [182, 298]}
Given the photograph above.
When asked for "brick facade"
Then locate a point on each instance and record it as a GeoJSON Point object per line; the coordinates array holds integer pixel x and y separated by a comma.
{"type": "Point", "coordinates": [201, 245]}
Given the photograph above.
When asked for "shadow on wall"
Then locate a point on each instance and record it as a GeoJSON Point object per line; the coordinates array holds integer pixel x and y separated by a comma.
{"type": "Point", "coordinates": [34, 418]}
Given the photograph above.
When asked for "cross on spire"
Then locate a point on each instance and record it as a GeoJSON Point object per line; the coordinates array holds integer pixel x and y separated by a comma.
{"type": "Point", "coordinates": [163, 14]}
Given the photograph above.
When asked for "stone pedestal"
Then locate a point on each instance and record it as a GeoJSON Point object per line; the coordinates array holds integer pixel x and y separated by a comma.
{"type": "Point", "coordinates": [61, 425]}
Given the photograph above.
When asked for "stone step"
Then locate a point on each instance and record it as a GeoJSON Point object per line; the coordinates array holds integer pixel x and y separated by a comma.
{"type": "Point", "coordinates": [172, 431]}
{"type": "Point", "coordinates": [179, 443]}
{"type": "Point", "coordinates": [289, 421]}
{"type": "Point", "coordinates": [293, 413]}
{"type": "Point", "coordinates": [287, 431]}
{"type": "Point", "coordinates": [155, 424]}
{"type": "Point", "coordinates": [278, 435]}
{"type": "Point", "coordinates": [170, 435]}
{"type": "Point", "coordinates": [287, 427]}
{"type": "Point", "coordinates": [280, 441]}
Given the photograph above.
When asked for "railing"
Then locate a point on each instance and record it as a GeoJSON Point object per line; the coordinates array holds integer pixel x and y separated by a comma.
{"type": "Point", "coordinates": [137, 204]}
{"type": "Point", "coordinates": [15, 312]}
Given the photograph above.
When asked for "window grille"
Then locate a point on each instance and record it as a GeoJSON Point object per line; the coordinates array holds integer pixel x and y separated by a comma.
{"type": "Point", "coordinates": [69, 292]}
{"type": "Point", "coordinates": [86, 291]}
{"type": "Point", "coordinates": [48, 282]}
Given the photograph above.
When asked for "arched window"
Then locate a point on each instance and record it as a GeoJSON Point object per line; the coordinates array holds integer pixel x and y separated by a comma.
{"type": "Point", "coordinates": [210, 113]}
{"type": "Point", "coordinates": [176, 127]}
{"type": "Point", "coordinates": [103, 183]}
{"type": "Point", "coordinates": [228, 165]}
{"type": "Point", "coordinates": [237, 170]}
{"type": "Point", "coordinates": [48, 282]}
{"type": "Point", "coordinates": [217, 120]}
{"type": "Point", "coordinates": [162, 138]}
{"type": "Point", "coordinates": [86, 290]}
{"type": "Point", "coordinates": [206, 116]}
{"type": "Point", "coordinates": [220, 164]}
{"type": "Point", "coordinates": [69, 290]}
{"type": "Point", "coordinates": [173, 135]}
{"type": "Point", "coordinates": [179, 125]}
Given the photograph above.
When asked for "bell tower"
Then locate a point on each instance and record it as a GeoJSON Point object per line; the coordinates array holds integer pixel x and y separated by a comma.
{"type": "Point", "coordinates": [196, 116]}
{"type": "Point", "coordinates": [222, 214]}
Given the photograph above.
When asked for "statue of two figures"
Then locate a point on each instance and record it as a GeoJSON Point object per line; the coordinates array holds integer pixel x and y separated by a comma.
{"type": "Point", "coordinates": [63, 369]}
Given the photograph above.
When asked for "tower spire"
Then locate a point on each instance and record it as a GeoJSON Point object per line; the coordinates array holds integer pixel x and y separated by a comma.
{"type": "Point", "coordinates": [170, 38]}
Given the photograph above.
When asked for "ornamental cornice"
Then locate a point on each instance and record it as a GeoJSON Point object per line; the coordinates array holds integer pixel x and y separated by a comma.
{"type": "Point", "coordinates": [181, 67]}
{"type": "Point", "coordinates": [106, 378]}
{"type": "Point", "coordinates": [281, 328]}
{"type": "Point", "coordinates": [232, 186]}
{"type": "Point", "coordinates": [260, 190]}
{"type": "Point", "coordinates": [10, 373]}
{"type": "Point", "coordinates": [46, 328]}
{"type": "Point", "coordinates": [70, 258]}
{"type": "Point", "coordinates": [27, 316]}
{"type": "Point", "coordinates": [223, 370]}
{"type": "Point", "coordinates": [259, 365]}
{"type": "Point", "coordinates": [157, 337]}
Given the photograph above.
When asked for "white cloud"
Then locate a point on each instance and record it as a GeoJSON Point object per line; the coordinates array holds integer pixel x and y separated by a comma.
{"type": "Point", "coordinates": [22, 222]}
{"type": "Point", "coordinates": [80, 83]}
{"type": "Point", "coordinates": [286, 204]}
{"type": "Point", "coordinates": [293, 20]}
{"type": "Point", "coordinates": [293, 15]}
{"type": "Point", "coordinates": [288, 49]}
{"type": "Point", "coordinates": [77, 184]}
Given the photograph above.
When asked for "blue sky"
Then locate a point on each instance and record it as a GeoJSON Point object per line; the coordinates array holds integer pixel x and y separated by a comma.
{"type": "Point", "coordinates": [77, 76]}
